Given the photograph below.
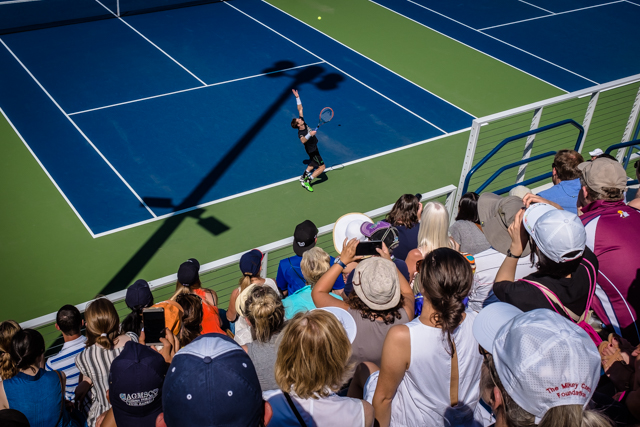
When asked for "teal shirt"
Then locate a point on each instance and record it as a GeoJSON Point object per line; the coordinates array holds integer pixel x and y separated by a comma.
{"type": "Point", "coordinates": [300, 301]}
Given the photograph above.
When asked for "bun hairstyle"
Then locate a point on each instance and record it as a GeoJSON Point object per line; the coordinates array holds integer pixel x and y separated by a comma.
{"type": "Point", "coordinates": [265, 311]}
{"type": "Point", "coordinates": [102, 323]}
{"type": "Point", "coordinates": [26, 347]}
{"type": "Point", "coordinates": [8, 329]}
{"type": "Point", "coordinates": [446, 278]}
{"type": "Point", "coordinates": [191, 321]}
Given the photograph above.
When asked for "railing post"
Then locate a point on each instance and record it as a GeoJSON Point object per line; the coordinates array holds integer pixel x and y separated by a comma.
{"type": "Point", "coordinates": [263, 266]}
{"type": "Point", "coordinates": [528, 147]}
{"type": "Point", "coordinates": [628, 130]}
{"type": "Point", "coordinates": [466, 166]}
{"type": "Point", "coordinates": [588, 115]}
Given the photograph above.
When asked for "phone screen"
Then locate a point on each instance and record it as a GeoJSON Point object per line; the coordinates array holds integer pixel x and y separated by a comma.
{"type": "Point", "coordinates": [368, 247]}
{"type": "Point", "coordinates": [153, 319]}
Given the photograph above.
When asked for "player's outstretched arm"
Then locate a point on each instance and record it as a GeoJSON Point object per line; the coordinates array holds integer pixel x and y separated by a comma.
{"type": "Point", "coordinates": [295, 92]}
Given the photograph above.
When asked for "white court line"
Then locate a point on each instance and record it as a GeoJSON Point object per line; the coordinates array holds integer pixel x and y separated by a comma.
{"type": "Point", "coordinates": [375, 62]}
{"type": "Point", "coordinates": [501, 41]}
{"type": "Point", "coordinates": [152, 43]}
{"type": "Point", "coordinates": [78, 129]}
{"type": "Point", "coordinates": [276, 184]}
{"type": "Point", "coordinates": [632, 2]}
{"type": "Point", "coordinates": [195, 88]}
{"type": "Point", "coordinates": [2, 3]}
{"type": "Point", "coordinates": [343, 72]}
{"type": "Point", "coordinates": [531, 4]}
{"type": "Point", "coordinates": [55, 184]}
{"type": "Point", "coordinates": [552, 14]}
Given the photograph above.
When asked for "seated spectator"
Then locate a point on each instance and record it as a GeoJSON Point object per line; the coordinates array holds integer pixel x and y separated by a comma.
{"type": "Point", "coordinates": [613, 233]}
{"type": "Point", "coordinates": [405, 217]}
{"type": "Point", "coordinates": [250, 266]}
{"type": "Point", "coordinates": [621, 364]}
{"type": "Point", "coordinates": [381, 299]}
{"type": "Point", "coordinates": [635, 202]}
{"type": "Point", "coordinates": [596, 153]}
{"type": "Point", "coordinates": [315, 262]}
{"type": "Point", "coordinates": [539, 369]}
{"type": "Point", "coordinates": [312, 365]}
{"type": "Point", "coordinates": [566, 180]}
{"type": "Point", "coordinates": [68, 321]}
{"type": "Point", "coordinates": [433, 234]}
{"type": "Point", "coordinates": [496, 214]}
{"type": "Point", "coordinates": [13, 418]}
{"type": "Point", "coordinates": [466, 232]}
{"type": "Point", "coordinates": [212, 382]}
{"type": "Point", "coordinates": [430, 368]}
{"type": "Point", "coordinates": [290, 278]}
{"type": "Point", "coordinates": [37, 393]}
{"type": "Point", "coordinates": [191, 320]}
{"type": "Point", "coordinates": [8, 329]}
{"type": "Point", "coordinates": [566, 268]}
{"type": "Point", "coordinates": [265, 313]}
{"type": "Point", "coordinates": [104, 343]}
{"type": "Point", "coordinates": [189, 283]}
{"type": "Point", "coordinates": [137, 299]}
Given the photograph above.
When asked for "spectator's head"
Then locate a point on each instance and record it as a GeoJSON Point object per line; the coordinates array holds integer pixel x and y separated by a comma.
{"type": "Point", "coordinates": [377, 290]}
{"type": "Point", "coordinates": [188, 277]}
{"type": "Point", "coordinates": [13, 418]}
{"type": "Point", "coordinates": [69, 320]}
{"type": "Point", "coordinates": [496, 215]}
{"type": "Point", "coordinates": [102, 323]}
{"type": "Point", "coordinates": [135, 385]}
{"type": "Point", "coordinates": [250, 266]}
{"type": "Point", "coordinates": [468, 208]}
{"type": "Point", "coordinates": [265, 312]}
{"type": "Point", "coordinates": [137, 299]}
{"type": "Point", "coordinates": [315, 262]}
{"type": "Point", "coordinates": [27, 349]}
{"type": "Point", "coordinates": [565, 166]}
{"type": "Point", "coordinates": [434, 227]}
{"type": "Point", "coordinates": [349, 227]}
{"type": "Point", "coordinates": [191, 320]}
{"type": "Point", "coordinates": [212, 382]}
{"type": "Point", "coordinates": [304, 237]}
{"type": "Point", "coordinates": [313, 355]}
{"type": "Point", "coordinates": [602, 179]}
{"type": "Point", "coordinates": [539, 367]}
{"type": "Point", "coordinates": [596, 153]}
{"type": "Point", "coordinates": [383, 231]}
{"type": "Point", "coordinates": [406, 211]}
{"type": "Point", "coordinates": [445, 280]}
{"type": "Point", "coordinates": [8, 329]}
{"type": "Point", "coordinates": [558, 239]}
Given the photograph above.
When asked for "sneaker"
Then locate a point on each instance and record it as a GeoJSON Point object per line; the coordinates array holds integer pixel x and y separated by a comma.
{"type": "Point", "coordinates": [307, 186]}
{"type": "Point", "coordinates": [303, 180]}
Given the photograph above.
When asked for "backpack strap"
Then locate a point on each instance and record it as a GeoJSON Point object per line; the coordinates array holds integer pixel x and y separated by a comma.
{"type": "Point", "coordinates": [553, 298]}
{"type": "Point", "coordinates": [455, 376]}
{"type": "Point", "coordinates": [62, 408]}
{"type": "Point", "coordinates": [294, 270]}
{"type": "Point", "coordinates": [294, 409]}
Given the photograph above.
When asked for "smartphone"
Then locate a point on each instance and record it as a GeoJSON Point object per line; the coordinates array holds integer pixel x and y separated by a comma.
{"type": "Point", "coordinates": [153, 321]}
{"type": "Point", "coordinates": [368, 247]}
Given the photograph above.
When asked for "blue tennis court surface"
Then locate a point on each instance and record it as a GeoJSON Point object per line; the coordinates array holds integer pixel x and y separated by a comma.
{"type": "Point", "coordinates": [144, 116]}
{"type": "Point", "coordinates": [572, 44]}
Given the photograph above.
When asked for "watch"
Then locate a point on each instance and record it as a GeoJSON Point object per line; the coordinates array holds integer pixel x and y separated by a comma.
{"type": "Point", "coordinates": [510, 255]}
{"type": "Point", "coordinates": [340, 263]}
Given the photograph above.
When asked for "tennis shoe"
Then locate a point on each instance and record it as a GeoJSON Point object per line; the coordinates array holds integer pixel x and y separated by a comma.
{"type": "Point", "coordinates": [307, 186]}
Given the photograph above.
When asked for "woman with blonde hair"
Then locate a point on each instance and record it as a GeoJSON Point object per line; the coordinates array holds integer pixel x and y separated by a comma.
{"type": "Point", "coordinates": [433, 234]}
{"type": "Point", "coordinates": [250, 266]}
{"type": "Point", "coordinates": [265, 314]}
{"type": "Point", "coordinates": [312, 364]}
{"type": "Point", "coordinates": [104, 343]}
{"type": "Point", "coordinates": [8, 329]}
{"type": "Point", "coordinates": [189, 283]}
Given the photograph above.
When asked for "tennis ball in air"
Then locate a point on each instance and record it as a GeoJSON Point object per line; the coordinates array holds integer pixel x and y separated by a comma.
{"type": "Point", "coordinates": [319, 17]}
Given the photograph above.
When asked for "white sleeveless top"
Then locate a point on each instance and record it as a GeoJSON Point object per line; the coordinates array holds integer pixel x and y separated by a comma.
{"type": "Point", "coordinates": [330, 411]}
{"type": "Point", "coordinates": [422, 398]}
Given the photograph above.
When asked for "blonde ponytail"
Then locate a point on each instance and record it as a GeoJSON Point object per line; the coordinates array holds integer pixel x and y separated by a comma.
{"type": "Point", "coordinates": [245, 282]}
{"type": "Point", "coordinates": [265, 312]}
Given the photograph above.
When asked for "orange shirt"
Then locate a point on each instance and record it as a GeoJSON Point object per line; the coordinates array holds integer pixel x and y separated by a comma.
{"type": "Point", "coordinates": [211, 316]}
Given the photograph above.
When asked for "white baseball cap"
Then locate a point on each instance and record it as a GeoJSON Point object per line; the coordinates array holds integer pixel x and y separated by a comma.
{"type": "Point", "coordinates": [345, 319]}
{"type": "Point", "coordinates": [348, 226]}
{"type": "Point", "coordinates": [596, 152]}
{"type": "Point", "coordinates": [542, 359]}
{"type": "Point", "coordinates": [556, 232]}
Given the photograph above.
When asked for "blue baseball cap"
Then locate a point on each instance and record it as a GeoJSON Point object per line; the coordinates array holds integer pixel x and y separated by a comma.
{"type": "Point", "coordinates": [251, 262]}
{"type": "Point", "coordinates": [135, 385]}
{"type": "Point", "coordinates": [139, 295]}
{"type": "Point", "coordinates": [212, 382]}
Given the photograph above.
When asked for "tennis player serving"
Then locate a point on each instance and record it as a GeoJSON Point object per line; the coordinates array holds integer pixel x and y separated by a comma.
{"type": "Point", "coordinates": [308, 137]}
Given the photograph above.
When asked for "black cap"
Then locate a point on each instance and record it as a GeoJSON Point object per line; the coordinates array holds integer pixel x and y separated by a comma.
{"type": "Point", "coordinates": [304, 238]}
{"type": "Point", "coordinates": [188, 272]}
{"type": "Point", "coordinates": [139, 295]}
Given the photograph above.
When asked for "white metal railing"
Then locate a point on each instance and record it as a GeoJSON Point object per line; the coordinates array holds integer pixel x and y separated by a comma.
{"type": "Point", "coordinates": [448, 191]}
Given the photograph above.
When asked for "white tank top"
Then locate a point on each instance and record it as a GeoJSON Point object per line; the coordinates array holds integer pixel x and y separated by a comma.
{"type": "Point", "coordinates": [330, 411]}
{"type": "Point", "coordinates": [422, 398]}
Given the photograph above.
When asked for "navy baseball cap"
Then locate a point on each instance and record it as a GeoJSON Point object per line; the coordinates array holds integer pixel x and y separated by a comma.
{"type": "Point", "coordinates": [139, 295]}
{"type": "Point", "coordinates": [188, 272]}
{"type": "Point", "coordinates": [251, 262]}
{"type": "Point", "coordinates": [135, 385]}
{"type": "Point", "coordinates": [212, 382]}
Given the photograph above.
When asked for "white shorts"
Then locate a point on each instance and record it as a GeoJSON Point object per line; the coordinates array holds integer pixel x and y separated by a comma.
{"type": "Point", "coordinates": [370, 387]}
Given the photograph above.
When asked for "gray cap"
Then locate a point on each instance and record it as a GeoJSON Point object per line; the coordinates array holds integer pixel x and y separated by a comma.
{"type": "Point", "coordinates": [603, 172]}
{"type": "Point", "coordinates": [496, 215]}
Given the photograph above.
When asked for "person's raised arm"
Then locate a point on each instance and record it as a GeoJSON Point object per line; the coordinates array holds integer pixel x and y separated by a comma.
{"type": "Point", "coordinates": [519, 237]}
{"type": "Point", "coordinates": [405, 288]}
{"type": "Point", "coordinates": [298, 102]}
{"type": "Point", "coordinates": [321, 290]}
{"type": "Point", "coordinates": [530, 199]}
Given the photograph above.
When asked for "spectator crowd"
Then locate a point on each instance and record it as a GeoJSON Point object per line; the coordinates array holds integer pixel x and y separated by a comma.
{"type": "Point", "coordinates": [522, 312]}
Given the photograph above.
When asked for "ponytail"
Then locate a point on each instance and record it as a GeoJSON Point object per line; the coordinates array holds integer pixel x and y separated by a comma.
{"type": "Point", "coordinates": [102, 322]}
{"type": "Point", "coordinates": [8, 329]}
{"type": "Point", "coordinates": [133, 321]}
{"type": "Point", "coordinates": [245, 281]}
{"type": "Point", "coordinates": [265, 312]}
{"type": "Point", "coordinates": [191, 320]}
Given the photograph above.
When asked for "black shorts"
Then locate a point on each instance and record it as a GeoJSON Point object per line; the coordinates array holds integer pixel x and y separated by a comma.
{"type": "Point", "coordinates": [315, 159]}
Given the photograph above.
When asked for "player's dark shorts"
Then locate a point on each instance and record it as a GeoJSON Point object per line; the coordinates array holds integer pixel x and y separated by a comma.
{"type": "Point", "coordinates": [315, 159]}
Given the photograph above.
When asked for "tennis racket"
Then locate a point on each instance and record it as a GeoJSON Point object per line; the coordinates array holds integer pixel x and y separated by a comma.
{"type": "Point", "coordinates": [325, 116]}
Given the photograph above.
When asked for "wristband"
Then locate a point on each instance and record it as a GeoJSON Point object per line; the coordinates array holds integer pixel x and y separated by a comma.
{"type": "Point", "coordinates": [298, 102]}
{"type": "Point", "coordinates": [308, 136]}
{"type": "Point", "coordinates": [340, 263]}
{"type": "Point", "coordinates": [510, 255]}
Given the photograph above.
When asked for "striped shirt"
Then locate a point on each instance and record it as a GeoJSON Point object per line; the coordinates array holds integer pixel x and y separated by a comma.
{"type": "Point", "coordinates": [65, 361]}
